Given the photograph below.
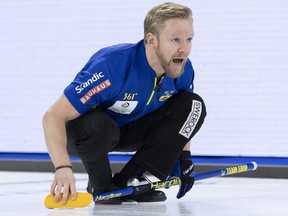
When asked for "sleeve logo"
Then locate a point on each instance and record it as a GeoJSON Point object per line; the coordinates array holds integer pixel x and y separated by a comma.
{"type": "Point", "coordinates": [94, 78]}
{"type": "Point", "coordinates": [95, 91]}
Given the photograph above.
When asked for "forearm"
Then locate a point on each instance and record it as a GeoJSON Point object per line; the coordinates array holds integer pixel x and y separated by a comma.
{"type": "Point", "coordinates": [55, 137]}
{"type": "Point", "coordinates": [56, 141]}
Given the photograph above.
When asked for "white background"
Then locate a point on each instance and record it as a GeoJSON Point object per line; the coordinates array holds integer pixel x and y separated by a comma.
{"type": "Point", "coordinates": [240, 55]}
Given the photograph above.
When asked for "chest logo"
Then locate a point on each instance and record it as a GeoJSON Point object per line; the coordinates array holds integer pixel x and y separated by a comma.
{"type": "Point", "coordinates": [123, 107]}
{"type": "Point", "coordinates": [167, 95]}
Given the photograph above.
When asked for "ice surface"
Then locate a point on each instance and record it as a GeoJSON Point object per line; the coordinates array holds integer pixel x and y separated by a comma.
{"type": "Point", "coordinates": [23, 193]}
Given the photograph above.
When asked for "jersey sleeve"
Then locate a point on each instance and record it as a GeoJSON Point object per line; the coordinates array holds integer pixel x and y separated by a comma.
{"type": "Point", "coordinates": [92, 85]}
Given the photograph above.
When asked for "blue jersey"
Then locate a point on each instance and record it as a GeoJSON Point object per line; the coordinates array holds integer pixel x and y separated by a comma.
{"type": "Point", "coordinates": [119, 81]}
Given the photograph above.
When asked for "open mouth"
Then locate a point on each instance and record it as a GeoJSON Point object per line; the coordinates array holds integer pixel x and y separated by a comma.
{"type": "Point", "coordinates": [178, 61]}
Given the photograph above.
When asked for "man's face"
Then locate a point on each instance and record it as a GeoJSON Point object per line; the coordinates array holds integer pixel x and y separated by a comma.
{"type": "Point", "coordinates": [174, 45]}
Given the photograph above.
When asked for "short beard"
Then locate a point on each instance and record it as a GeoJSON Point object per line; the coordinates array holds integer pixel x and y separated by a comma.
{"type": "Point", "coordinates": [165, 64]}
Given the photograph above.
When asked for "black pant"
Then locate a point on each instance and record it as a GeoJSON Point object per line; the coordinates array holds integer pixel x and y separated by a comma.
{"type": "Point", "coordinates": [158, 138]}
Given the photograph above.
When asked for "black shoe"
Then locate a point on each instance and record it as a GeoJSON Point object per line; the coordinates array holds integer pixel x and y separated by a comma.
{"type": "Point", "coordinates": [114, 201]}
{"type": "Point", "coordinates": [149, 196]}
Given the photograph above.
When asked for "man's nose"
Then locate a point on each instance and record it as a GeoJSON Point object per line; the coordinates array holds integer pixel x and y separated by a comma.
{"type": "Point", "coordinates": [184, 47]}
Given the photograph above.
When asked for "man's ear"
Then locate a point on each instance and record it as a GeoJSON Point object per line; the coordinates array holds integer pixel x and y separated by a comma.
{"type": "Point", "coordinates": [151, 40]}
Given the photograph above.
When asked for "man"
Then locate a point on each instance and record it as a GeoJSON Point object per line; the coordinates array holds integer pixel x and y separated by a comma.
{"type": "Point", "coordinates": [130, 97]}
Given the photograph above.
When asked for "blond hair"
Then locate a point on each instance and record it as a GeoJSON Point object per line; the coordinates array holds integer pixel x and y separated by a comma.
{"type": "Point", "coordinates": [155, 18]}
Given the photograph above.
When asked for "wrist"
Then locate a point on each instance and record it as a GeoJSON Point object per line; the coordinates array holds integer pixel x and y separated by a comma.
{"type": "Point", "coordinates": [63, 166]}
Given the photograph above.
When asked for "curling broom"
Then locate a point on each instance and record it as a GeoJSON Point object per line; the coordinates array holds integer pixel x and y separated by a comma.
{"type": "Point", "coordinates": [84, 199]}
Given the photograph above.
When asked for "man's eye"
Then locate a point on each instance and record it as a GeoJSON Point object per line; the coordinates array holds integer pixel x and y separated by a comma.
{"type": "Point", "coordinates": [177, 40]}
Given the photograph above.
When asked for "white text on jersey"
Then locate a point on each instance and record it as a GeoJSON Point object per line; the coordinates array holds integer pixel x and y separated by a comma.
{"type": "Point", "coordinates": [94, 78]}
